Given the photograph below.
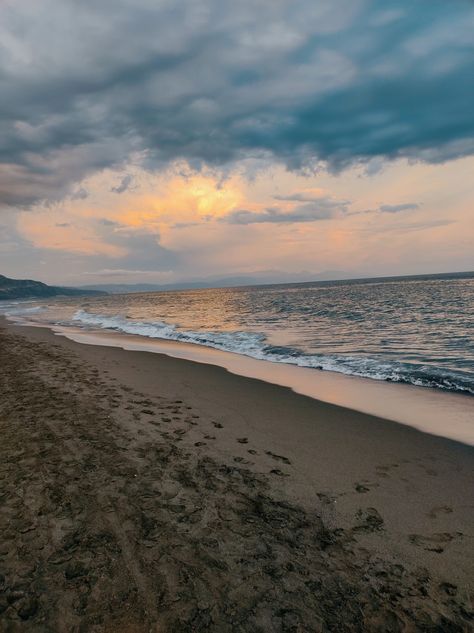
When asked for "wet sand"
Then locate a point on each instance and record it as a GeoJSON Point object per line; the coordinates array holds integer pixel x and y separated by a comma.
{"type": "Point", "coordinates": [424, 409]}
{"type": "Point", "coordinates": [146, 493]}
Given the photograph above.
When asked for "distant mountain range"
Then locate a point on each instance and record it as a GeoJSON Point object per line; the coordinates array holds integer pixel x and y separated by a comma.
{"type": "Point", "coordinates": [272, 278]}
{"type": "Point", "coordinates": [29, 289]}
{"type": "Point", "coordinates": [265, 278]}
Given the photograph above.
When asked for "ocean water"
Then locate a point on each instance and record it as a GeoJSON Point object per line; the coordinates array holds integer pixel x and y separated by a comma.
{"type": "Point", "coordinates": [417, 331]}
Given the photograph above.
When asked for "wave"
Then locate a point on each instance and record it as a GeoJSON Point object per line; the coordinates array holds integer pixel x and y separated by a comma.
{"type": "Point", "coordinates": [255, 345]}
{"type": "Point", "coordinates": [7, 310]}
{"type": "Point", "coordinates": [240, 342]}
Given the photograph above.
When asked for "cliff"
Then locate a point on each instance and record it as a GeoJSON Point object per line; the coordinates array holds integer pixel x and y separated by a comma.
{"type": "Point", "coordinates": [28, 289]}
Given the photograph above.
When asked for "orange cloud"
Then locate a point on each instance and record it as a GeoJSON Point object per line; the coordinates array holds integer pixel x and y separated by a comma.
{"type": "Point", "coordinates": [157, 206]}
{"type": "Point", "coordinates": [178, 208]}
{"type": "Point", "coordinates": [56, 230]}
{"type": "Point", "coordinates": [179, 201]}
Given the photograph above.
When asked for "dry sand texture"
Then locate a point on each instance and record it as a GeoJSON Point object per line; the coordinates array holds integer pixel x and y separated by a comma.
{"type": "Point", "coordinates": [128, 511]}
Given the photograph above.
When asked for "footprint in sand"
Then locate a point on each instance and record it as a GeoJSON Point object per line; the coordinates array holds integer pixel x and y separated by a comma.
{"type": "Point", "coordinates": [241, 460]}
{"type": "Point", "coordinates": [369, 520]}
{"type": "Point", "coordinates": [434, 542]}
{"type": "Point", "coordinates": [382, 471]}
{"type": "Point", "coordinates": [365, 486]}
{"type": "Point", "coordinates": [242, 440]}
{"type": "Point", "coordinates": [218, 425]}
{"type": "Point", "coordinates": [449, 588]}
{"type": "Point", "coordinates": [326, 499]}
{"type": "Point", "coordinates": [277, 471]}
{"type": "Point", "coordinates": [279, 458]}
{"type": "Point", "coordinates": [437, 510]}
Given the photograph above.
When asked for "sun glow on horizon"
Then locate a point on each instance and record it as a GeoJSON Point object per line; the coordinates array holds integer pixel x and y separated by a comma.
{"type": "Point", "coordinates": [275, 220]}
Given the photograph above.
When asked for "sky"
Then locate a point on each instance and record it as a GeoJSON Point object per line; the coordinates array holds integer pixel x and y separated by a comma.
{"type": "Point", "coordinates": [161, 141]}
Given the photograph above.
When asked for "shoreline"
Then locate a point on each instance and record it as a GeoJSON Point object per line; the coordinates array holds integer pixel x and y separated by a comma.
{"type": "Point", "coordinates": [422, 408]}
{"type": "Point", "coordinates": [226, 503]}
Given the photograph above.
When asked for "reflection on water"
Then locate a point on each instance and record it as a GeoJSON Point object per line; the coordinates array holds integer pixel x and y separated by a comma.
{"type": "Point", "coordinates": [418, 331]}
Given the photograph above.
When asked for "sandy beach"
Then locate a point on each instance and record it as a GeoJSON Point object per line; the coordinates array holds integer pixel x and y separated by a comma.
{"type": "Point", "coordinates": [143, 493]}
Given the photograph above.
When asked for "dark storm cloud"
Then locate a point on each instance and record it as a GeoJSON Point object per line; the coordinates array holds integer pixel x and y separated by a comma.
{"type": "Point", "coordinates": [88, 85]}
{"type": "Point", "coordinates": [396, 208]}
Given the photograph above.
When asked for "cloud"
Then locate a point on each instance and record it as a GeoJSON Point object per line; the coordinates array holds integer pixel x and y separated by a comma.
{"type": "Point", "coordinates": [124, 184]}
{"type": "Point", "coordinates": [123, 272]}
{"type": "Point", "coordinates": [417, 226]}
{"type": "Point", "coordinates": [80, 194]}
{"type": "Point", "coordinates": [396, 208]}
{"type": "Point", "coordinates": [97, 84]}
{"type": "Point", "coordinates": [186, 225]}
{"type": "Point", "coordinates": [318, 209]}
{"type": "Point", "coordinates": [106, 222]}
{"type": "Point", "coordinates": [299, 197]}
{"type": "Point", "coordinates": [126, 249]}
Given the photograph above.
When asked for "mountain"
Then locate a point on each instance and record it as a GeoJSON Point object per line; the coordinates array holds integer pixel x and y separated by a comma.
{"type": "Point", "coordinates": [259, 279]}
{"type": "Point", "coordinates": [271, 278]}
{"type": "Point", "coordinates": [29, 289]}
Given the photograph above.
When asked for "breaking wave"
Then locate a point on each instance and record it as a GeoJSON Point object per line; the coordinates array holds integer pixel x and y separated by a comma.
{"type": "Point", "coordinates": [255, 345]}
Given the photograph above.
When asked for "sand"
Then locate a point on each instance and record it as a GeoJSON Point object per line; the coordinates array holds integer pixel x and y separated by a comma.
{"type": "Point", "coordinates": [146, 493]}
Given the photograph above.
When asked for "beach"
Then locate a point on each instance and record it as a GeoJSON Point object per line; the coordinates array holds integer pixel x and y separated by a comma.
{"type": "Point", "coordinates": [142, 493]}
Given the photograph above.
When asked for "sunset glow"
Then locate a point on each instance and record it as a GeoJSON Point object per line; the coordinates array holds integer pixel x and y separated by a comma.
{"type": "Point", "coordinates": [236, 315]}
{"type": "Point", "coordinates": [306, 149]}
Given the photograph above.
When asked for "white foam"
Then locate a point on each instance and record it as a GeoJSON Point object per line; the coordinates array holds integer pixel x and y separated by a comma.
{"type": "Point", "coordinates": [19, 311]}
{"type": "Point", "coordinates": [255, 346]}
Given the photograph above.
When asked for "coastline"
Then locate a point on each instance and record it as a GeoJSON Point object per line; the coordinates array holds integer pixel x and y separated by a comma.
{"type": "Point", "coordinates": [422, 408]}
{"type": "Point", "coordinates": [349, 493]}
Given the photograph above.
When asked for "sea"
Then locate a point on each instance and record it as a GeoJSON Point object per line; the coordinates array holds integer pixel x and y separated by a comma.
{"type": "Point", "coordinates": [414, 330]}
